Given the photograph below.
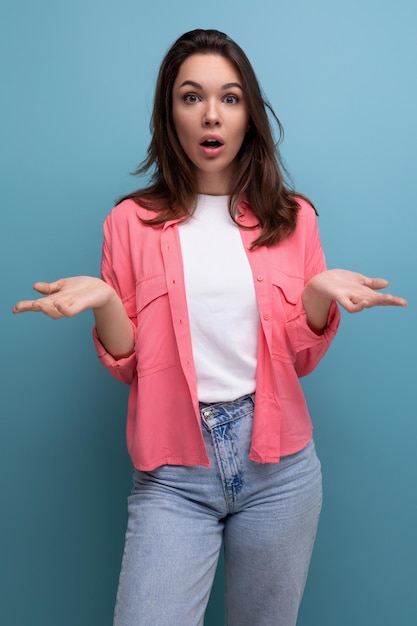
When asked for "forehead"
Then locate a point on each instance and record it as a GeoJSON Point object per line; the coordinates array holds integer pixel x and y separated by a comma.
{"type": "Point", "coordinates": [207, 69]}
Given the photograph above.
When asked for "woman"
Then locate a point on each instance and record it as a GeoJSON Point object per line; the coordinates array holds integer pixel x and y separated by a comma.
{"type": "Point", "coordinates": [214, 300]}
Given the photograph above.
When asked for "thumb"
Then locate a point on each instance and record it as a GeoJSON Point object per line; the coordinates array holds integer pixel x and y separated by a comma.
{"type": "Point", "coordinates": [379, 283]}
{"type": "Point", "coordinates": [375, 283]}
{"type": "Point", "coordinates": [48, 288]}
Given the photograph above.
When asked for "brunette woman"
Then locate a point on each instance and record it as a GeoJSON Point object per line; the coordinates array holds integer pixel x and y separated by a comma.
{"type": "Point", "coordinates": [214, 300]}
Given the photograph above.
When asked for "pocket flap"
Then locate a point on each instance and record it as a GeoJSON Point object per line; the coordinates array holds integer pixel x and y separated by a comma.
{"type": "Point", "coordinates": [291, 286]}
{"type": "Point", "coordinates": [148, 289]}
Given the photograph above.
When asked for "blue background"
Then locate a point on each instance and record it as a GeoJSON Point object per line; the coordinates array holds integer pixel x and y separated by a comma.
{"type": "Point", "coordinates": [77, 87]}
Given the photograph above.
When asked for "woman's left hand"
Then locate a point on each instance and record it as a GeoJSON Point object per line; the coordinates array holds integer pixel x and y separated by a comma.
{"type": "Point", "coordinates": [353, 291]}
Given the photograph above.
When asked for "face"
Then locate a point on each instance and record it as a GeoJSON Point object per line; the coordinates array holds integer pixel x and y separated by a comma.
{"type": "Point", "coordinates": [211, 118]}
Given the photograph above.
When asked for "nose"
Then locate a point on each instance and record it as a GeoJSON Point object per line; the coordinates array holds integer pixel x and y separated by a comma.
{"type": "Point", "coordinates": [211, 115]}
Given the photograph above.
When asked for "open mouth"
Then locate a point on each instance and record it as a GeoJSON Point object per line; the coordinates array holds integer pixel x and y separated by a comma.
{"type": "Point", "coordinates": [211, 143]}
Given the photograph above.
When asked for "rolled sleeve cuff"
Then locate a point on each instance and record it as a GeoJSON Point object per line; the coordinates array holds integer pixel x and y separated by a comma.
{"type": "Point", "coordinates": [123, 369]}
{"type": "Point", "coordinates": [302, 336]}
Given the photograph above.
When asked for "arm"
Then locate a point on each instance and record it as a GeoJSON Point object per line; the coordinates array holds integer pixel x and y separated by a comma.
{"type": "Point", "coordinates": [69, 296]}
{"type": "Point", "coordinates": [314, 322]}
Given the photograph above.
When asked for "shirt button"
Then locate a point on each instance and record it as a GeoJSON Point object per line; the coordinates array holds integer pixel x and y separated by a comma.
{"type": "Point", "coordinates": [260, 277]}
{"type": "Point", "coordinates": [266, 316]}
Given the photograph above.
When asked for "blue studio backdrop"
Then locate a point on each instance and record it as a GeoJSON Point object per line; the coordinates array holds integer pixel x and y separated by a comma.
{"type": "Point", "coordinates": [77, 86]}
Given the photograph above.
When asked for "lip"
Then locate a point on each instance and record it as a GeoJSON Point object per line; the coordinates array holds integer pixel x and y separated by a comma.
{"type": "Point", "coordinates": [210, 136]}
{"type": "Point", "coordinates": [211, 152]}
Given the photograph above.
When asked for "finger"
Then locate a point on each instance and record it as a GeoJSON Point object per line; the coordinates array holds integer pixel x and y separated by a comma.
{"type": "Point", "coordinates": [48, 288]}
{"type": "Point", "coordinates": [375, 283]}
{"type": "Point", "coordinates": [37, 306]}
{"type": "Point", "coordinates": [24, 306]}
{"type": "Point", "coordinates": [68, 309]}
{"type": "Point", "coordinates": [351, 305]}
{"type": "Point", "coordinates": [387, 299]}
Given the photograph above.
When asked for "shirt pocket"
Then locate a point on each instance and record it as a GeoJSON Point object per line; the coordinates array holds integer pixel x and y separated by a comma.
{"type": "Point", "coordinates": [286, 294]}
{"type": "Point", "coordinates": [288, 287]}
{"type": "Point", "coordinates": [155, 339]}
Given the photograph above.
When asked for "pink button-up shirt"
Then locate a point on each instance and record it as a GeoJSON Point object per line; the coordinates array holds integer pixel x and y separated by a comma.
{"type": "Point", "coordinates": [144, 265]}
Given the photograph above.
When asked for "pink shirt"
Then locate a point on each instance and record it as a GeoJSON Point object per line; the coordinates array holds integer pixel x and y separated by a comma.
{"type": "Point", "coordinates": [144, 265]}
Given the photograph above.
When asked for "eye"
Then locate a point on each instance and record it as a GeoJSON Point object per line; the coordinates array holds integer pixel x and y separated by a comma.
{"type": "Point", "coordinates": [231, 99]}
{"type": "Point", "coordinates": [190, 98]}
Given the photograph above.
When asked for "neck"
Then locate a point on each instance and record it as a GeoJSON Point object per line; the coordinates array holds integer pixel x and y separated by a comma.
{"type": "Point", "coordinates": [214, 184]}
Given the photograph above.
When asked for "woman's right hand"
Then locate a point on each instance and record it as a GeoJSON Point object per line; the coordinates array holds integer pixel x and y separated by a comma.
{"type": "Point", "coordinates": [67, 297]}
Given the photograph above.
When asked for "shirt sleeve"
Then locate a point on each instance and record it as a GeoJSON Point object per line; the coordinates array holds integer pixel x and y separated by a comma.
{"type": "Point", "coordinates": [117, 271]}
{"type": "Point", "coordinates": [310, 347]}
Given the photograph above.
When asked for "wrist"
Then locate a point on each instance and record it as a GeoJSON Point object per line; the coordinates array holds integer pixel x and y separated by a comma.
{"type": "Point", "coordinates": [316, 307]}
{"type": "Point", "coordinates": [107, 300]}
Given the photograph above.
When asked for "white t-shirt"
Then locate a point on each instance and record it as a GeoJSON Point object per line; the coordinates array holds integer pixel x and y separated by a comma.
{"type": "Point", "coordinates": [224, 319]}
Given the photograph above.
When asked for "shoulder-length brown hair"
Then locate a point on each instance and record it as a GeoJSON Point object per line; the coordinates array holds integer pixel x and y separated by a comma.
{"type": "Point", "coordinates": [259, 173]}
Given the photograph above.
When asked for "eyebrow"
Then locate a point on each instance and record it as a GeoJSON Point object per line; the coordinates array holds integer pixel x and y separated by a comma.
{"type": "Point", "coordinates": [192, 83]}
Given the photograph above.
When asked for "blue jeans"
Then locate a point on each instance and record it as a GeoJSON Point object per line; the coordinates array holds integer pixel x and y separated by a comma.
{"type": "Point", "coordinates": [266, 516]}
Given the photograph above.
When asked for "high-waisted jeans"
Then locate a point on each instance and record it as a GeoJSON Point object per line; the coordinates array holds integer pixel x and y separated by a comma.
{"type": "Point", "coordinates": [266, 515]}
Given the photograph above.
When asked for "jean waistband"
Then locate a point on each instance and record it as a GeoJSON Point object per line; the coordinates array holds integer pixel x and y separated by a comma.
{"type": "Point", "coordinates": [216, 413]}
